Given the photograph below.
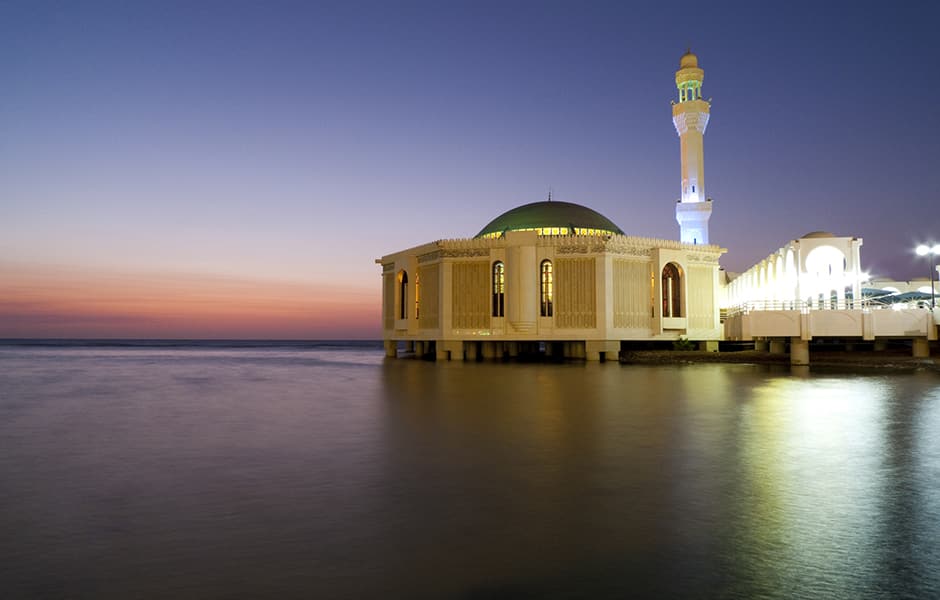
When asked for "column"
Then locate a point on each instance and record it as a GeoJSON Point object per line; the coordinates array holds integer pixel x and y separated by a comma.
{"type": "Point", "coordinates": [799, 351]}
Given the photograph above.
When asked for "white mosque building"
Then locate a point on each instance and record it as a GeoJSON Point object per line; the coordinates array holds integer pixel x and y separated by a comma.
{"type": "Point", "coordinates": [562, 277]}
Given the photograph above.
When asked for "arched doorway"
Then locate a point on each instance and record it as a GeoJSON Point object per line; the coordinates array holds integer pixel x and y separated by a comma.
{"type": "Point", "coordinates": [672, 290]}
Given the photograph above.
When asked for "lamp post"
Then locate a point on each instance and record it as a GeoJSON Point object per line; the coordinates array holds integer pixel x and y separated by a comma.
{"type": "Point", "coordinates": [924, 250]}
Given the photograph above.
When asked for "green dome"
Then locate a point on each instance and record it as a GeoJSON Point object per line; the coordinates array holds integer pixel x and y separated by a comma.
{"type": "Point", "coordinates": [569, 218]}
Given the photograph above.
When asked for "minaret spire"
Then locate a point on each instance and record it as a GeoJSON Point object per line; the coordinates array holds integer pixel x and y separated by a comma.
{"type": "Point", "coordinates": [690, 116]}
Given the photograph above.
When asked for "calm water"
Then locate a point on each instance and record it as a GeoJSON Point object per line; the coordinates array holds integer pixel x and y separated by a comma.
{"type": "Point", "coordinates": [317, 471]}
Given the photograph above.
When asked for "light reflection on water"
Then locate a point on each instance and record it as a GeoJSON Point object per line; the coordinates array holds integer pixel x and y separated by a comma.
{"type": "Point", "coordinates": [329, 472]}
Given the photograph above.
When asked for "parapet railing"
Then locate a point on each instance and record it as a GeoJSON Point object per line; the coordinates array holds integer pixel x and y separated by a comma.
{"type": "Point", "coordinates": [805, 307]}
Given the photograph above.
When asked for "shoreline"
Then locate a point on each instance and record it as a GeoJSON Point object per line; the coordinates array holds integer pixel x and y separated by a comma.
{"type": "Point", "coordinates": [877, 361]}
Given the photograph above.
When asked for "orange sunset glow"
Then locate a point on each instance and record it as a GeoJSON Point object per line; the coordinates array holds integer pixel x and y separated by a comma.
{"type": "Point", "coordinates": [63, 302]}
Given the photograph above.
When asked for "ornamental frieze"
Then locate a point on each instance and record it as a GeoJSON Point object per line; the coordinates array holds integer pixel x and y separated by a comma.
{"type": "Point", "coordinates": [465, 252]}
{"type": "Point", "coordinates": [429, 256]}
{"type": "Point", "coordinates": [630, 251]}
{"type": "Point", "coordinates": [703, 258]}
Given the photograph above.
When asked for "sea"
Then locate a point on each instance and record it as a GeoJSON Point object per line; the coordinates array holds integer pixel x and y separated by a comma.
{"type": "Point", "coordinates": [179, 469]}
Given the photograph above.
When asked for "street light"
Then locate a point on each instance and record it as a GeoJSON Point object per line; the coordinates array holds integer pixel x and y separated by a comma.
{"type": "Point", "coordinates": [924, 250]}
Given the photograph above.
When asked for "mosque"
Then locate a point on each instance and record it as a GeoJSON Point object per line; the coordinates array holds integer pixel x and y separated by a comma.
{"type": "Point", "coordinates": [563, 279]}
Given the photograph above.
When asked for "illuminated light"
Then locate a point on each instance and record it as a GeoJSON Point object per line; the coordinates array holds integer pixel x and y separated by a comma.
{"type": "Point", "coordinates": [499, 289]}
{"type": "Point", "coordinates": [935, 249]}
{"type": "Point", "coordinates": [553, 231]}
{"type": "Point", "coordinates": [897, 307]}
{"type": "Point", "coordinates": [547, 291]}
{"type": "Point", "coordinates": [922, 250]}
{"type": "Point", "coordinates": [924, 289]}
{"type": "Point", "coordinates": [417, 296]}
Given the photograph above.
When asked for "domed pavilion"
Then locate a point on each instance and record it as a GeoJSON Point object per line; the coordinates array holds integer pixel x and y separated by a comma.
{"type": "Point", "coordinates": [547, 276]}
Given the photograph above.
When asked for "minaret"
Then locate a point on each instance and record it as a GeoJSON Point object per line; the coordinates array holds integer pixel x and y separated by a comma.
{"type": "Point", "coordinates": [690, 116]}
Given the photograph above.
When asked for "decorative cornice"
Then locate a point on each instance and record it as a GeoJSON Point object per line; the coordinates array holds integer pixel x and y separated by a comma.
{"type": "Point", "coordinates": [694, 207]}
{"type": "Point", "coordinates": [685, 120]}
{"type": "Point", "coordinates": [562, 244]}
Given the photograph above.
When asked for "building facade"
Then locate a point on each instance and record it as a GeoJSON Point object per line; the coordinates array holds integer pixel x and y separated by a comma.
{"type": "Point", "coordinates": [550, 273]}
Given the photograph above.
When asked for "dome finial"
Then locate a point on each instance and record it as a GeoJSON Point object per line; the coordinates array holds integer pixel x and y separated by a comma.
{"type": "Point", "coordinates": [549, 193]}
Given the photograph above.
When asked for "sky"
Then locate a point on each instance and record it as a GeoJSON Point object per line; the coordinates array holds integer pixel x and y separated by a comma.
{"type": "Point", "coordinates": [228, 169]}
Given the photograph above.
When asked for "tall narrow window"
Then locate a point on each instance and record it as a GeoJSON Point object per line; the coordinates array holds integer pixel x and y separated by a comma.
{"type": "Point", "coordinates": [402, 294]}
{"type": "Point", "coordinates": [417, 296]}
{"type": "Point", "coordinates": [672, 288]}
{"type": "Point", "coordinates": [547, 288]}
{"type": "Point", "coordinates": [499, 289]}
{"type": "Point", "coordinates": [652, 293]}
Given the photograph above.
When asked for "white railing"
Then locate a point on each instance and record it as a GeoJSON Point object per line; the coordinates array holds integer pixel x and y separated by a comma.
{"type": "Point", "coordinates": [804, 306]}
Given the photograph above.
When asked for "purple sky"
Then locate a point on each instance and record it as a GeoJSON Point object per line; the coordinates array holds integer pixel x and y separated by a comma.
{"type": "Point", "coordinates": [298, 141]}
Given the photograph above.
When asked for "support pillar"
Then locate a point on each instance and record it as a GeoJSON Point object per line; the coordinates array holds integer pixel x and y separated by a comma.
{"type": "Point", "coordinates": [708, 346]}
{"type": "Point", "coordinates": [881, 346]}
{"type": "Point", "coordinates": [452, 350]}
{"type": "Point", "coordinates": [419, 349]}
{"type": "Point", "coordinates": [601, 349]}
{"type": "Point", "coordinates": [760, 345]}
{"type": "Point", "coordinates": [799, 351]}
{"type": "Point", "coordinates": [513, 349]}
{"type": "Point", "coordinates": [391, 348]}
{"type": "Point", "coordinates": [409, 346]}
{"type": "Point", "coordinates": [472, 350]}
{"type": "Point", "coordinates": [920, 348]}
{"type": "Point", "coordinates": [489, 350]}
{"type": "Point", "coordinates": [778, 346]}
{"type": "Point", "coordinates": [572, 349]}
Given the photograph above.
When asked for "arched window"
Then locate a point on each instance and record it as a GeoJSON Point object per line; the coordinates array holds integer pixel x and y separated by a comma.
{"type": "Point", "coordinates": [402, 294]}
{"type": "Point", "coordinates": [672, 289]}
{"type": "Point", "coordinates": [499, 289]}
{"type": "Point", "coordinates": [547, 288]}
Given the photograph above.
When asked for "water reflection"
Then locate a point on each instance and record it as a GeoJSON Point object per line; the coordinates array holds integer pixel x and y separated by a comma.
{"type": "Point", "coordinates": [322, 473]}
{"type": "Point", "coordinates": [748, 481]}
